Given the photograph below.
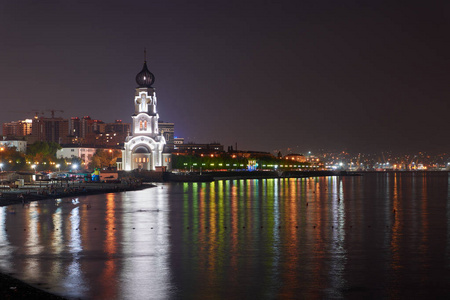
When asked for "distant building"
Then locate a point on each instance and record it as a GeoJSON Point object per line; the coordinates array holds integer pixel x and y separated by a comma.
{"type": "Point", "coordinates": [251, 154]}
{"type": "Point", "coordinates": [117, 127]}
{"type": "Point", "coordinates": [200, 147]}
{"type": "Point", "coordinates": [17, 128]}
{"type": "Point", "coordinates": [296, 157]}
{"type": "Point", "coordinates": [74, 127]}
{"type": "Point", "coordinates": [167, 130]}
{"type": "Point", "coordinates": [73, 131]}
{"type": "Point", "coordinates": [83, 153]}
{"type": "Point", "coordinates": [177, 141]}
{"type": "Point", "coordinates": [109, 139]}
{"type": "Point", "coordinates": [20, 145]}
{"type": "Point", "coordinates": [91, 132]}
{"type": "Point", "coordinates": [215, 149]}
{"type": "Point", "coordinates": [49, 130]}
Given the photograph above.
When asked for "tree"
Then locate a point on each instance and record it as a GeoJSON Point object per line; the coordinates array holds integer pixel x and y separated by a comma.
{"type": "Point", "coordinates": [11, 159]}
{"type": "Point", "coordinates": [42, 152]}
{"type": "Point", "coordinates": [104, 158]}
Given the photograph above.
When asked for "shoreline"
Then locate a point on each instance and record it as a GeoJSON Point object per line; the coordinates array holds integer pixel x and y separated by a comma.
{"type": "Point", "coordinates": [13, 288]}
{"type": "Point", "coordinates": [30, 193]}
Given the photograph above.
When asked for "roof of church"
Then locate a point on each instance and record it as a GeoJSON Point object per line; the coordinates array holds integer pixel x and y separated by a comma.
{"type": "Point", "coordinates": [145, 78]}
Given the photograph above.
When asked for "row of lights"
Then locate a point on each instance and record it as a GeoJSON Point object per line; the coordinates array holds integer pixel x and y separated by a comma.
{"type": "Point", "coordinates": [74, 166]}
{"type": "Point", "coordinates": [34, 166]}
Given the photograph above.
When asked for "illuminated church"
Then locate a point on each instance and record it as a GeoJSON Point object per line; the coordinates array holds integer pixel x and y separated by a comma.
{"type": "Point", "coordinates": [143, 149]}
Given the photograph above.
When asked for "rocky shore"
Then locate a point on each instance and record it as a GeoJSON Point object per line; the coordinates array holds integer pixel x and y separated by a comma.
{"type": "Point", "coordinates": [12, 288]}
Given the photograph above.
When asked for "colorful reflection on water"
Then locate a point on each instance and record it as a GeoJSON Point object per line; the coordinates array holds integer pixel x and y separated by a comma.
{"type": "Point", "coordinates": [380, 235]}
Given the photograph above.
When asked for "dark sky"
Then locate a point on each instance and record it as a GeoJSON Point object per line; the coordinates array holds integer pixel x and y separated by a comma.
{"type": "Point", "coordinates": [357, 75]}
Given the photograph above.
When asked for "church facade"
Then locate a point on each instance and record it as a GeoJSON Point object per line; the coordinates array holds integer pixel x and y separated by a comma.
{"type": "Point", "coordinates": [144, 146]}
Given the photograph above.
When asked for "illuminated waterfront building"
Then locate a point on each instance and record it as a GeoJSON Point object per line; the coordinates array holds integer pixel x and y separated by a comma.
{"type": "Point", "coordinates": [143, 149]}
{"type": "Point", "coordinates": [295, 157]}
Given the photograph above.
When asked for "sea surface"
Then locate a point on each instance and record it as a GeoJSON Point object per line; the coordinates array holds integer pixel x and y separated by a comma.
{"type": "Point", "coordinates": [377, 236]}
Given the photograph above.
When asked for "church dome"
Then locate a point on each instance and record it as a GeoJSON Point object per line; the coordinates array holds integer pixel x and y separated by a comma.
{"type": "Point", "coordinates": [145, 78]}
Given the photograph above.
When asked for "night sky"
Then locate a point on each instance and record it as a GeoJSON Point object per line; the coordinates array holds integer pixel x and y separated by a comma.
{"type": "Point", "coordinates": [361, 76]}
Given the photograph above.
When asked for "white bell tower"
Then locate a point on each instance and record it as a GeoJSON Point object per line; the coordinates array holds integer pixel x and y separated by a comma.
{"type": "Point", "coordinates": [143, 149]}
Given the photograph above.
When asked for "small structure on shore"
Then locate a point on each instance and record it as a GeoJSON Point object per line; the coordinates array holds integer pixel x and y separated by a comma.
{"type": "Point", "coordinates": [96, 175]}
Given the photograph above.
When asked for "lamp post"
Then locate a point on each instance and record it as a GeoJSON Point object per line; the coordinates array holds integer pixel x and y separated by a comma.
{"type": "Point", "coordinates": [58, 166]}
{"type": "Point", "coordinates": [1, 167]}
{"type": "Point", "coordinates": [74, 169]}
{"type": "Point", "coordinates": [110, 162]}
{"type": "Point", "coordinates": [34, 169]}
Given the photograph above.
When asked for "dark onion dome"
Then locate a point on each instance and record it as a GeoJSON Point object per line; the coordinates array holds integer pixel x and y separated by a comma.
{"type": "Point", "coordinates": [145, 78]}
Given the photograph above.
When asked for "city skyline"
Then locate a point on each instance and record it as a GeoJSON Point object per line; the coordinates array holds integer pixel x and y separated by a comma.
{"type": "Point", "coordinates": [363, 77]}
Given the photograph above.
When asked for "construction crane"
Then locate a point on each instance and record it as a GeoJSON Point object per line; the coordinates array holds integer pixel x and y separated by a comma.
{"type": "Point", "coordinates": [36, 113]}
{"type": "Point", "coordinates": [42, 112]}
{"type": "Point", "coordinates": [53, 112]}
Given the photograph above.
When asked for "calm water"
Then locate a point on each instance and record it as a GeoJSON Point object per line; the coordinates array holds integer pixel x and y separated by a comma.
{"type": "Point", "coordinates": [376, 236]}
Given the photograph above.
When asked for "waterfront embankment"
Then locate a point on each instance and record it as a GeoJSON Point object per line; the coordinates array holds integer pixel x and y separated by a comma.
{"type": "Point", "coordinates": [51, 190]}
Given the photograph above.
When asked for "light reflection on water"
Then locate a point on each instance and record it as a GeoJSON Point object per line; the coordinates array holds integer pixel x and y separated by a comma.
{"type": "Point", "coordinates": [379, 236]}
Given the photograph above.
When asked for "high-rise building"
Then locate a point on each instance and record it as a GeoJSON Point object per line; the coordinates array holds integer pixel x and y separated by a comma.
{"type": "Point", "coordinates": [73, 131]}
{"type": "Point", "coordinates": [50, 130]}
{"type": "Point", "coordinates": [75, 127]}
{"type": "Point", "coordinates": [17, 128]}
{"type": "Point", "coordinates": [167, 130]}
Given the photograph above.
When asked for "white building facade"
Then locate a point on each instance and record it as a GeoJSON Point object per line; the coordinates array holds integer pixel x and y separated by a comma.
{"type": "Point", "coordinates": [143, 149]}
{"type": "Point", "coordinates": [21, 146]}
{"type": "Point", "coordinates": [83, 153]}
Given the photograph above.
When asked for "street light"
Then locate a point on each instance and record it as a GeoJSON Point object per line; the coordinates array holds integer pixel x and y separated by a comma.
{"type": "Point", "coordinates": [1, 166]}
{"type": "Point", "coordinates": [74, 167]}
{"type": "Point", "coordinates": [33, 167]}
{"type": "Point", "coordinates": [58, 165]}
